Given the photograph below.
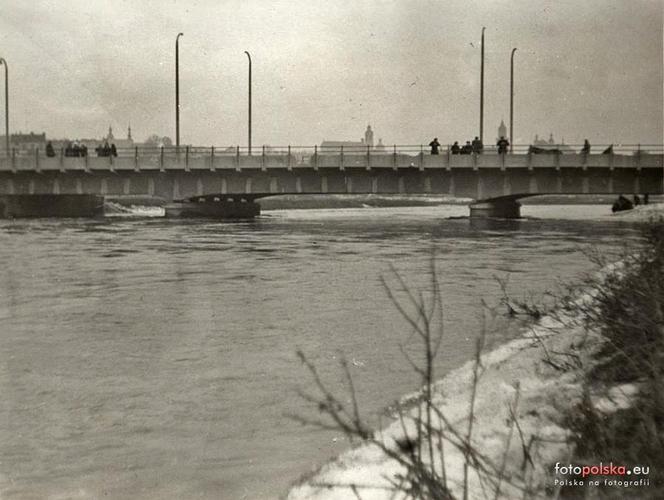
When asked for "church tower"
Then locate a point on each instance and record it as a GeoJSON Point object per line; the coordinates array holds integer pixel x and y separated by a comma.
{"type": "Point", "coordinates": [368, 137]}
{"type": "Point", "coordinates": [502, 130]}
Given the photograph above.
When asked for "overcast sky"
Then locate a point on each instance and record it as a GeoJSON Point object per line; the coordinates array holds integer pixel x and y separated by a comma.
{"type": "Point", "coordinates": [326, 69]}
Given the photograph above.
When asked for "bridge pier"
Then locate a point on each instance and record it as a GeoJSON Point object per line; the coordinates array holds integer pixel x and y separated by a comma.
{"type": "Point", "coordinates": [499, 208]}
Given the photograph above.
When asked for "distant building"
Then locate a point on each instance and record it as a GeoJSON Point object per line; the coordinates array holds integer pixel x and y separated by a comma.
{"type": "Point", "coordinates": [368, 137]}
{"type": "Point", "coordinates": [93, 143]}
{"type": "Point", "coordinates": [24, 143]}
{"type": "Point", "coordinates": [551, 144]}
{"type": "Point", "coordinates": [351, 145]}
{"type": "Point", "coordinates": [336, 145]}
{"type": "Point", "coordinates": [502, 131]}
{"type": "Point", "coordinates": [120, 143]}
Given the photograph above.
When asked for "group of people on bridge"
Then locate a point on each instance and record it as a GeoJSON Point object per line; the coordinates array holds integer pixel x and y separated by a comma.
{"type": "Point", "coordinates": [502, 147]}
{"type": "Point", "coordinates": [474, 147]}
{"type": "Point", "coordinates": [106, 150]}
{"type": "Point", "coordinates": [80, 150]}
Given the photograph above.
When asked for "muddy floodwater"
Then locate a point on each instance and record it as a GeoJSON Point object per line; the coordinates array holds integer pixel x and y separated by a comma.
{"type": "Point", "coordinates": [149, 358]}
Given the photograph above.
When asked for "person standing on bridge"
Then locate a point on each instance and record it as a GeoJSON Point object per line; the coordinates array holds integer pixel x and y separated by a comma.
{"type": "Point", "coordinates": [586, 147]}
{"type": "Point", "coordinates": [477, 146]}
{"type": "Point", "coordinates": [435, 146]}
{"type": "Point", "coordinates": [502, 144]}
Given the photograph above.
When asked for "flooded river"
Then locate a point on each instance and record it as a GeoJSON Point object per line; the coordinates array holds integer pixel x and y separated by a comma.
{"type": "Point", "coordinates": [150, 358]}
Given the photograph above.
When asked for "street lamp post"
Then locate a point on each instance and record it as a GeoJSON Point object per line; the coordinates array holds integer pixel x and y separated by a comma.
{"type": "Point", "coordinates": [249, 128]}
{"type": "Point", "coordinates": [482, 91]}
{"type": "Point", "coordinates": [512, 99]}
{"type": "Point", "coordinates": [4, 63]}
{"type": "Point", "coordinates": [177, 92]}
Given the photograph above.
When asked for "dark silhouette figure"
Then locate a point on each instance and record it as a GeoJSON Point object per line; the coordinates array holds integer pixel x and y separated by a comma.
{"type": "Point", "coordinates": [455, 149]}
{"type": "Point", "coordinates": [114, 151]}
{"type": "Point", "coordinates": [477, 145]}
{"type": "Point", "coordinates": [50, 152]}
{"type": "Point", "coordinates": [542, 151]}
{"type": "Point", "coordinates": [622, 204]}
{"type": "Point", "coordinates": [69, 150]}
{"type": "Point", "coordinates": [637, 200]}
{"type": "Point", "coordinates": [586, 147]}
{"type": "Point", "coordinates": [502, 144]}
{"type": "Point", "coordinates": [83, 150]}
{"type": "Point", "coordinates": [435, 146]}
{"type": "Point", "coordinates": [608, 151]}
{"type": "Point", "coordinates": [467, 148]}
{"type": "Point", "coordinates": [646, 199]}
{"type": "Point", "coordinates": [106, 149]}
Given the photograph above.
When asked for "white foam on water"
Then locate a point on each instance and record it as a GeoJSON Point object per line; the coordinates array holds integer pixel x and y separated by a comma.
{"type": "Point", "coordinates": [112, 209]}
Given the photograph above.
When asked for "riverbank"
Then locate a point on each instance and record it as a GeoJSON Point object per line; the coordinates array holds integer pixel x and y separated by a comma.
{"type": "Point", "coordinates": [537, 400]}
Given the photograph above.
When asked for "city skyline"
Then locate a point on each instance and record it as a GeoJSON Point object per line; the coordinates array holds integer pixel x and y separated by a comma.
{"type": "Point", "coordinates": [323, 71]}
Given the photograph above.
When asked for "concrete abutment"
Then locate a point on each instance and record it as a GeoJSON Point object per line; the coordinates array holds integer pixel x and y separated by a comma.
{"type": "Point", "coordinates": [50, 205]}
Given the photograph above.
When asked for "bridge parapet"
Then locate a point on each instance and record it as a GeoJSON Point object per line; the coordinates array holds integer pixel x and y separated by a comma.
{"type": "Point", "coordinates": [186, 159]}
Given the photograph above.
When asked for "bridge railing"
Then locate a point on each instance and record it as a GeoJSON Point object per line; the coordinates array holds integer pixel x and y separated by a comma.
{"type": "Point", "coordinates": [263, 157]}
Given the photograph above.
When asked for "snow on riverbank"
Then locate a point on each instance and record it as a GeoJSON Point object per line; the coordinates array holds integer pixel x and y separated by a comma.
{"type": "Point", "coordinates": [642, 212]}
{"type": "Point", "coordinates": [545, 370]}
{"type": "Point", "coordinates": [546, 367]}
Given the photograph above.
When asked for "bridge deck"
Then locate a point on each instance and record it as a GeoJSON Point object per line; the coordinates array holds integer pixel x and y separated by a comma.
{"type": "Point", "coordinates": [194, 173]}
{"type": "Point", "coordinates": [186, 161]}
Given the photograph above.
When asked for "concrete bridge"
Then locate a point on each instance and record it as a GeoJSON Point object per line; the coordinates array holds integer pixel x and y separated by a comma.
{"type": "Point", "coordinates": [232, 176]}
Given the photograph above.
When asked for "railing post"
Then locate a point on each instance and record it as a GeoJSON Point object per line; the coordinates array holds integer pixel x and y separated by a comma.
{"type": "Point", "coordinates": [368, 157]}
{"type": "Point", "coordinates": [316, 156]}
{"type": "Point", "coordinates": [288, 160]}
{"type": "Point", "coordinates": [211, 157]}
{"type": "Point", "coordinates": [421, 156]}
{"type": "Point", "coordinates": [37, 159]}
{"type": "Point", "coordinates": [13, 158]}
{"type": "Point", "coordinates": [611, 160]}
{"type": "Point", "coordinates": [161, 158]}
{"type": "Point", "coordinates": [341, 159]}
{"type": "Point", "coordinates": [62, 161]}
{"type": "Point", "coordinates": [186, 157]}
{"type": "Point", "coordinates": [394, 158]}
{"type": "Point", "coordinates": [136, 157]}
{"type": "Point", "coordinates": [263, 157]}
{"type": "Point", "coordinates": [237, 157]}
